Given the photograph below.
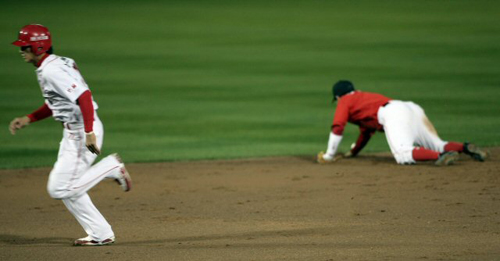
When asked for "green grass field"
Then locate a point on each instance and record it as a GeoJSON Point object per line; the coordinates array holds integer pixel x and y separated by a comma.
{"type": "Point", "coordinates": [188, 80]}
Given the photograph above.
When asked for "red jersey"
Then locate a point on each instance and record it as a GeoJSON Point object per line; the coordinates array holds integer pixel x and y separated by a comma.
{"type": "Point", "coordinates": [358, 108]}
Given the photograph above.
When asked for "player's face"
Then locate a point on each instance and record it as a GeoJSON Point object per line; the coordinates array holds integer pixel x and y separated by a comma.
{"type": "Point", "coordinates": [26, 53]}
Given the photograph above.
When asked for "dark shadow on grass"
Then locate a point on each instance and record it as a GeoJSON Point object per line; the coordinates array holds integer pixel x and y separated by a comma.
{"type": "Point", "coordinates": [306, 158]}
{"type": "Point", "coordinates": [378, 158]}
{"type": "Point", "coordinates": [6, 239]}
{"type": "Point", "coordinates": [249, 237]}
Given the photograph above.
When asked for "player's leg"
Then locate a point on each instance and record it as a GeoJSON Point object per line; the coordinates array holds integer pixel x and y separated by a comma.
{"type": "Point", "coordinates": [452, 146]}
{"type": "Point", "coordinates": [396, 119]}
{"type": "Point", "coordinates": [109, 167]}
{"type": "Point", "coordinates": [72, 210]}
{"type": "Point", "coordinates": [73, 175]}
{"type": "Point", "coordinates": [70, 170]}
{"type": "Point", "coordinates": [427, 135]}
{"type": "Point", "coordinates": [432, 146]}
{"type": "Point", "coordinates": [70, 166]}
{"type": "Point", "coordinates": [429, 138]}
{"type": "Point", "coordinates": [89, 217]}
{"type": "Point", "coordinates": [401, 130]}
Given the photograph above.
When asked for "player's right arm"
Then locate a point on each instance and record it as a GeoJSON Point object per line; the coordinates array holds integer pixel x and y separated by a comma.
{"type": "Point", "coordinates": [339, 122]}
{"type": "Point", "coordinates": [18, 123]}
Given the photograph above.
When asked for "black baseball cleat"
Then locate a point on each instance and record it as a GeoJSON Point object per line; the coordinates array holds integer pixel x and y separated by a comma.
{"type": "Point", "coordinates": [475, 152]}
{"type": "Point", "coordinates": [447, 158]}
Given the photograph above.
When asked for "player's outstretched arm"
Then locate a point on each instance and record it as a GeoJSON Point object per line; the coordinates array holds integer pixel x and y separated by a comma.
{"type": "Point", "coordinates": [18, 123]}
{"type": "Point", "coordinates": [40, 114]}
{"type": "Point", "coordinates": [329, 156]}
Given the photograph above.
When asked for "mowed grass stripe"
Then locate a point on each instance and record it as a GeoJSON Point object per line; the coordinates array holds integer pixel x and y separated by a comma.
{"type": "Point", "coordinates": [189, 80]}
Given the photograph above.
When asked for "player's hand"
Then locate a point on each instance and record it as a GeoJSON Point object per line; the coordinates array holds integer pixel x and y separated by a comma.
{"type": "Point", "coordinates": [91, 143]}
{"type": "Point", "coordinates": [323, 158]}
{"type": "Point", "coordinates": [348, 154]}
{"type": "Point", "coordinates": [18, 123]}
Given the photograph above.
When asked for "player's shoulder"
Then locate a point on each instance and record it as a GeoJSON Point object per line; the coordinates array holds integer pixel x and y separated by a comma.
{"type": "Point", "coordinates": [62, 60]}
{"type": "Point", "coordinates": [55, 63]}
{"type": "Point", "coordinates": [348, 98]}
{"type": "Point", "coordinates": [371, 94]}
{"type": "Point", "coordinates": [358, 97]}
{"type": "Point", "coordinates": [65, 59]}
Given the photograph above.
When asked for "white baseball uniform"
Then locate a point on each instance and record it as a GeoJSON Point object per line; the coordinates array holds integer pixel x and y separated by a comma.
{"type": "Point", "coordinates": [72, 176]}
{"type": "Point", "coordinates": [405, 125]}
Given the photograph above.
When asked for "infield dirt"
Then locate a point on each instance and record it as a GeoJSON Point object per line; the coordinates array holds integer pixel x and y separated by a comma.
{"type": "Point", "coordinates": [284, 208]}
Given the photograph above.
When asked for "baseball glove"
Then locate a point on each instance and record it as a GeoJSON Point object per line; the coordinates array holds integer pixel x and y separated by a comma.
{"type": "Point", "coordinates": [324, 159]}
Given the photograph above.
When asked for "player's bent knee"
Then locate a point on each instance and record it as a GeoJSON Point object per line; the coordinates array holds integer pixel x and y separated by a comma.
{"type": "Point", "coordinates": [404, 157]}
{"type": "Point", "coordinates": [59, 193]}
{"type": "Point", "coordinates": [54, 194]}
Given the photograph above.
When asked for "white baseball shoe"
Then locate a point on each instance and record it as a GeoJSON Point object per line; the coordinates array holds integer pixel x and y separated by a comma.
{"type": "Point", "coordinates": [123, 179]}
{"type": "Point", "coordinates": [88, 241]}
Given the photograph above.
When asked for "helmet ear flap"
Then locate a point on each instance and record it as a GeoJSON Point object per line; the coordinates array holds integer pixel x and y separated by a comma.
{"type": "Point", "coordinates": [39, 48]}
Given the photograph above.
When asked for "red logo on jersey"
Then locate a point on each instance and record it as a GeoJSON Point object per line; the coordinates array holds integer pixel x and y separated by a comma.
{"type": "Point", "coordinates": [74, 86]}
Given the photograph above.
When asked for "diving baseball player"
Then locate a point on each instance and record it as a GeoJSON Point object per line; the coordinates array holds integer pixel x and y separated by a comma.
{"type": "Point", "coordinates": [69, 100]}
{"type": "Point", "coordinates": [410, 134]}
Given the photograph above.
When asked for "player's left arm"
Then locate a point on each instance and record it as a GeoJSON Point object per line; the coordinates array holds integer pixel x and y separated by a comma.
{"type": "Point", "coordinates": [364, 137]}
{"type": "Point", "coordinates": [87, 108]}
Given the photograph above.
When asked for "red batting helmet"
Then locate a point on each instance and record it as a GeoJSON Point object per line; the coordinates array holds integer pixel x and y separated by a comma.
{"type": "Point", "coordinates": [35, 35]}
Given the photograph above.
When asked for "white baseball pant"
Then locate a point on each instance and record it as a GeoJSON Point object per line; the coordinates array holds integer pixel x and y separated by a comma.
{"type": "Point", "coordinates": [406, 125]}
{"type": "Point", "coordinates": [73, 175]}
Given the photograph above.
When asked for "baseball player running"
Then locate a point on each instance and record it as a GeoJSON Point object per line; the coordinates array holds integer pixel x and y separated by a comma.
{"type": "Point", "coordinates": [69, 100]}
{"type": "Point", "coordinates": [404, 123]}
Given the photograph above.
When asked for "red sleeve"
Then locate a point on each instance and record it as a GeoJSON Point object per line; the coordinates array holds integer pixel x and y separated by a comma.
{"type": "Point", "coordinates": [364, 136]}
{"type": "Point", "coordinates": [40, 114]}
{"type": "Point", "coordinates": [337, 130]}
{"type": "Point", "coordinates": [340, 118]}
{"type": "Point", "coordinates": [87, 108]}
